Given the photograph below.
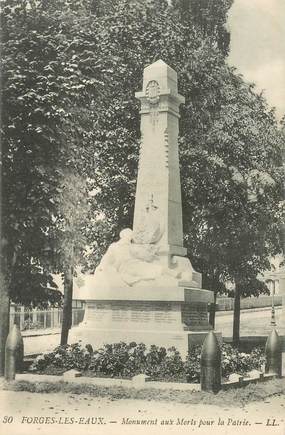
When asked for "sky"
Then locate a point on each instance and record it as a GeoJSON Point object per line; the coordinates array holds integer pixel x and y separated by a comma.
{"type": "Point", "coordinates": [258, 46]}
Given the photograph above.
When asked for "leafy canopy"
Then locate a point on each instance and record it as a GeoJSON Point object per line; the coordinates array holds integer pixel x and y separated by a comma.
{"type": "Point", "coordinates": [71, 130]}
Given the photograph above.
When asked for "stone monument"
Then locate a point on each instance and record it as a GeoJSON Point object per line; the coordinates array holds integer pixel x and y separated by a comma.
{"type": "Point", "coordinates": [145, 289]}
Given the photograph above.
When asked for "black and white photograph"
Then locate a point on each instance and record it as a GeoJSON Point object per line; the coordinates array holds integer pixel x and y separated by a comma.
{"type": "Point", "coordinates": [142, 217]}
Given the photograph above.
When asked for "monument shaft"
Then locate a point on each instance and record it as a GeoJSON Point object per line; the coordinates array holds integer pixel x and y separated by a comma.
{"type": "Point", "coordinates": [158, 182]}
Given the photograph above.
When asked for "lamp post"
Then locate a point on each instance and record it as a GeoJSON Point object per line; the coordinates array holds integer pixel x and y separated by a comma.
{"type": "Point", "coordinates": [273, 318]}
{"type": "Point", "coordinates": [282, 236]}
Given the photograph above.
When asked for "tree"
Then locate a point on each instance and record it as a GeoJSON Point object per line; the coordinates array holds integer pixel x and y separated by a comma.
{"type": "Point", "coordinates": [237, 191]}
{"type": "Point", "coordinates": [78, 65]}
{"type": "Point", "coordinates": [223, 121]}
{"type": "Point", "coordinates": [229, 141]}
{"type": "Point", "coordinates": [132, 35]}
{"type": "Point", "coordinates": [4, 292]}
{"type": "Point", "coordinates": [70, 240]}
{"type": "Point", "coordinates": [48, 86]}
{"type": "Point", "coordinates": [209, 16]}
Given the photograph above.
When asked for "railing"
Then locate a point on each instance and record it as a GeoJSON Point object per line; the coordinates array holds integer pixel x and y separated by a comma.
{"type": "Point", "coordinates": [42, 319]}
{"type": "Point", "coordinates": [52, 318]}
{"type": "Point", "coordinates": [227, 304]}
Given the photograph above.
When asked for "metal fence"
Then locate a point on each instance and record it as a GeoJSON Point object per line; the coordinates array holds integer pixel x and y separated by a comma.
{"type": "Point", "coordinates": [52, 318]}
{"type": "Point", "coordinates": [227, 304]}
{"type": "Point", "coordinates": [42, 319]}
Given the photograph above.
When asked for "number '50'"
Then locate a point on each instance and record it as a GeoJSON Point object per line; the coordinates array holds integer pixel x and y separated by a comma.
{"type": "Point", "coordinates": [7, 419]}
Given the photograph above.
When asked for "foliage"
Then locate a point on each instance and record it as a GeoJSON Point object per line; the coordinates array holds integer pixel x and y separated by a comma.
{"type": "Point", "coordinates": [229, 141]}
{"type": "Point", "coordinates": [233, 361]}
{"type": "Point", "coordinates": [136, 34]}
{"type": "Point", "coordinates": [47, 89]}
{"type": "Point", "coordinates": [234, 192]}
{"type": "Point", "coordinates": [70, 73]}
{"type": "Point", "coordinates": [68, 357]}
{"type": "Point", "coordinates": [127, 360]}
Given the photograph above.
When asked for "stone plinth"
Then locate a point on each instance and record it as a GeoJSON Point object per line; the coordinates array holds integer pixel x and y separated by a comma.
{"type": "Point", "coordinates": [165, 317]}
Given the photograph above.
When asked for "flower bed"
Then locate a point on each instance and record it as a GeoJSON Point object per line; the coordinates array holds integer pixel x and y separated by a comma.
{"type": "Point", "coordinates": [122, 360]}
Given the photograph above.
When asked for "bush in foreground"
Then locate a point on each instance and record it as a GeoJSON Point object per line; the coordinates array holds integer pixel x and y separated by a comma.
{"type": "Point", "coordinates": [127, 360]}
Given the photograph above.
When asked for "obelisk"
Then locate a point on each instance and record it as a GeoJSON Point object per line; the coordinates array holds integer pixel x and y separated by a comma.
{"type": "Point", "coordinates": [158, 174]}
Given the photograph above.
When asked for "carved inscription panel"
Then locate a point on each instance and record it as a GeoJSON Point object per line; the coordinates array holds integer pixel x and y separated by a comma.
{"type": "Point", "coordinates": [195, 316]}
{"type": "Point", "coordinates": [135, 314]}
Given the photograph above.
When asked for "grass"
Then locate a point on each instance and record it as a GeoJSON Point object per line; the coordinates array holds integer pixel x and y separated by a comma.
{"type": "Point", "coordinates": [235, 397]}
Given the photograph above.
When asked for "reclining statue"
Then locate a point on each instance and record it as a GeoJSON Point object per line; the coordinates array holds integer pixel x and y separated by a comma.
{"type": "Point", "coordinates": [130, 264]}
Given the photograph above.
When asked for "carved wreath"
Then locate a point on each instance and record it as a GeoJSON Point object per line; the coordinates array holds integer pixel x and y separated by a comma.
{"type": "Point", "coordinates": [152, 92]}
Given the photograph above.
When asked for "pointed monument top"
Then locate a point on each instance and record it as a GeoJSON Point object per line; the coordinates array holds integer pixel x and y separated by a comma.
{"type": "Point", "coordinates": [162, 73]}
{"type": "Point", "coordinates": [158, 62]}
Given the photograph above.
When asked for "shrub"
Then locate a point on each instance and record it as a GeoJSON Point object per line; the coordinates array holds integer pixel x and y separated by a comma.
{"type": "Point", "coordinates": [192, 364]}
{"type": "Point", "coordinates": [234, 361]}
{"type": "Point", "coordinates": [127, 360]}
{"type": "Point", "coordinates": [66, 357]}
{"type": "Point", "coordinates": [119, 359]}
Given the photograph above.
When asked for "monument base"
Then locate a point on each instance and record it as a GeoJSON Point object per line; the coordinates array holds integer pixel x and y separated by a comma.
{"type": "Point", "coordinates": [161, 316]}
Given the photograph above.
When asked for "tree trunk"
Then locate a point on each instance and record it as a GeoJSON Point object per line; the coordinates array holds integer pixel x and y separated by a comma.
{"type": "Point", "coordinates": [212, 315]}
{"type": "Point", "coordinates": [67, 305]}
{"type": "Point", "coordinates": [4, 316]}
{"type": "Point", "coordinates": [236, 322]}
{"type": "Point", "coordinates": [4, 288]}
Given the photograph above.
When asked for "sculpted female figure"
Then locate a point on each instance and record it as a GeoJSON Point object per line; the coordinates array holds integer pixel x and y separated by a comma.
{"type": "Point", "coordinates": [126, 264]}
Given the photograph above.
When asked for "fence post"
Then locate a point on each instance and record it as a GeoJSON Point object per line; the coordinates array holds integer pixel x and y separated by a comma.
{"type": "Point", "coordinates": [73, 316]}
{"type": "Point", "coordinates": [52, 318]}
{"type": "Point", "coordinates": [34, 315]}
{"type": "Point", "coordinates": [12, 314]}
{"type": "Point", "coordinates": [211, 364]}
{"type": "Point", "coordinates": [56, 318]}
{"type": "Point", "coordinates": [273, 354]}
{"type": "Point", "coordinates": [22, 318]}
{"type": "Point", "coordinates": [14, 353]}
